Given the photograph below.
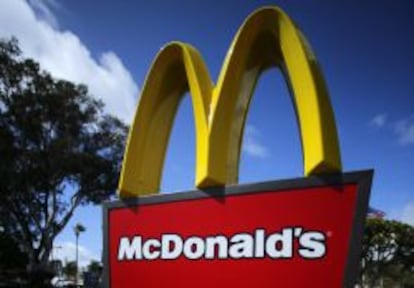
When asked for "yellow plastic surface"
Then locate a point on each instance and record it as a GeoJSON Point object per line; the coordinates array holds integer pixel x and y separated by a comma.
{"type": "Point", "coordinates": [267, 38]}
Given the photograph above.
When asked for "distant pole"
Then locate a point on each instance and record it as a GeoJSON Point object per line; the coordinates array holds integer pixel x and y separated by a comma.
{"type": "Point", "coordinates": [77, 229]}
{"type": "Point", "coordinates": [77, 258]}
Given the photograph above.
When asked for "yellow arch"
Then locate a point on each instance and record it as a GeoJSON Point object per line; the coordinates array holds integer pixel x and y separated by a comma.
{"type": "Point", "coordinates": [267, 38]}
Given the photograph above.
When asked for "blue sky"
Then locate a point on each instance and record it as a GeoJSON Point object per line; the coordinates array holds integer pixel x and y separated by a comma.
{"type": "Point", "coordinates": [365, 48]}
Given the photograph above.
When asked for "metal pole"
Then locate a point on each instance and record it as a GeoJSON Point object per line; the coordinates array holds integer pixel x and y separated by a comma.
{"type": "Point", "coordinates": [76, 276]}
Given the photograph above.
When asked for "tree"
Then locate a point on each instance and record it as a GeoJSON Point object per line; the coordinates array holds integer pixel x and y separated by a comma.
{"type": "Point", "coordinates": [12, 263]}
{"type": "Point", "coordinates": [94, 267]}
{"type": "Point", "coordinates": [93, 275]}
{"type": "Point", "coordinates": [58, 150]}
{"type": "Point", "coordinates": [387, 252]}
{"type": "Point", "coordinates": [70, 270]}
{"type": "Point", "coordinates": [11, 258]}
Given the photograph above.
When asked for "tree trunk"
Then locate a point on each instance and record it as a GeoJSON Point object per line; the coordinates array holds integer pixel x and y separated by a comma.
{"type": "Point", "coordinates": [39, 271]}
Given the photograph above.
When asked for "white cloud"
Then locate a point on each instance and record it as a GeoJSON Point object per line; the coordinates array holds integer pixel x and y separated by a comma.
{"type": "Point", "coordinates": [405, 131]}
{"type": "Point", "coordinates": [379, 120]}
{"type": "Point", "coordinates": [408, 213]}
{"type": "Point", "coordinates": [64, 55]}
{"type": "Point", "coordinates": [43, 9]}
{"type": "Point", "coordinates": [66, 252]}
{"type": "Point", "coordinates": [251, 143]}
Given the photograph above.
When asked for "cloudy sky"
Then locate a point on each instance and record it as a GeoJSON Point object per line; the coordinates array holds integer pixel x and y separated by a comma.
{"type": "Point", "coordinates": [365, 49]}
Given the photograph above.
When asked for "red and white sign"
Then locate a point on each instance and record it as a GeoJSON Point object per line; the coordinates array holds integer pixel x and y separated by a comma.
{"type": "Point", "coordinates": [296, 233]}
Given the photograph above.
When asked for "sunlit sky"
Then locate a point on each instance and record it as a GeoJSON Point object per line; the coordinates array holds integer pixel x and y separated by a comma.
{"type": "Point", "coordinates": [365, 49]}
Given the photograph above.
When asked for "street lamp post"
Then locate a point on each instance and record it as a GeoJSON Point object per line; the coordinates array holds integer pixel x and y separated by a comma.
{"type": "Point", "coordinates": [79, 228]}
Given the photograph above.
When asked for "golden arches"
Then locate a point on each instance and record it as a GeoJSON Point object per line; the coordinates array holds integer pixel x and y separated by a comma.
{"type": "Point", "coordinates": [267, 38]}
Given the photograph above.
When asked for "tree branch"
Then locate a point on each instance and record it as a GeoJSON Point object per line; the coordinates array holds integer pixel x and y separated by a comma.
{"type": "Point", "coordinates": [75, 201]}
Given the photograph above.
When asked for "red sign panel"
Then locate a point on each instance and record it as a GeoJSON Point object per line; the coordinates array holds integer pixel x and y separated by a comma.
{"type": "Point", "coordinates": [297, 233]}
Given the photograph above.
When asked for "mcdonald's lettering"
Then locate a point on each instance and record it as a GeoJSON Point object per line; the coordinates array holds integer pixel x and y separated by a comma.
{"type": "Point", "coordinates": [303, 232]}
{"type": "Point", "coordinates": [239, 246]}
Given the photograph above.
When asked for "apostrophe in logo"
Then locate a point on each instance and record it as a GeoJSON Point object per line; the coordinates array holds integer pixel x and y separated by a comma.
{"type": "Point", "coordinates": [267, 38]}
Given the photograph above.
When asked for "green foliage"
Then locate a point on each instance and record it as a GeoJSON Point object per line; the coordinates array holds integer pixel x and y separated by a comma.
{"type": "Point", "coordinates": [70, 270]}
{"type": "Point", "coordinates": [387, 252]}
{"type": "Point", "coordinates": [79, 228]}
{"type": "Point", "coordinates": [58, 150]}
{"type": "Point", "coordinates": [94, 267]}
{"type": "Point", "coordinates": [11, 258]}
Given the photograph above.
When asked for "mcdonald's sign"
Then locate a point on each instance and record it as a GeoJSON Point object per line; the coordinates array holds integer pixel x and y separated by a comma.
{"type": "Point", "coordinates": [303, 232]}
